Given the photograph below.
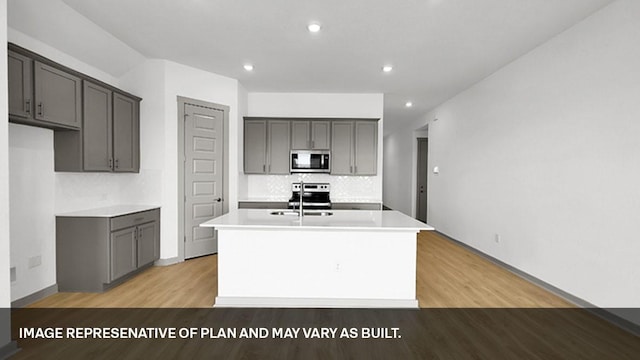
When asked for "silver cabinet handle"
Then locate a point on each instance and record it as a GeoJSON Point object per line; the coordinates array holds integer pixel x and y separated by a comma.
{"type": "Point", "coordinates": [269, 167]}
{"type": "Point", "coordinates": [111, 163]}
{"type": "Point", "coordinates": [355, 169]}
{"type": "Point", "coordinates": [116, 164]}
{"type": "Point", "coordinates": [313, 144]}
{"type": "Point", "coordinates": [40, 109]}
{"type": "Point", "coordinates": [350, 169]}
{"type": "Point", "coordinates": [264, 168]}
{"type": "Point", "coordinates": [28, 106]}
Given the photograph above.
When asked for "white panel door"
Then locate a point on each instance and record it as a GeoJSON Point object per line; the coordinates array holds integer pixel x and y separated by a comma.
{"type": "Point", "coordinates": [203, 167]}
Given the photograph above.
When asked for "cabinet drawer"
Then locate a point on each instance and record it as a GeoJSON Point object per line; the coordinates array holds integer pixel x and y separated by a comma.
{"type": "Point", "coordinates": [134, 219]}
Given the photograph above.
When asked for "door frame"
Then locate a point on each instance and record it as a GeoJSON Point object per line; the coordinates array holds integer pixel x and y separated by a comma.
{"type": "Point", "coordinates": [182, 101]}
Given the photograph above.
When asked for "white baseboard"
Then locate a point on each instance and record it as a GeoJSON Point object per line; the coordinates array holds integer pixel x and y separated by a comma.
{"type": "Point", "coordinates": [167, 262]}
{"type": "Point", "coordinates": [258, 302]}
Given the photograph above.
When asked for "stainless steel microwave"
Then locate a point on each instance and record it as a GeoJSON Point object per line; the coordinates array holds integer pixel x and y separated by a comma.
{"type": "Point", "coordinates": [310, 161]}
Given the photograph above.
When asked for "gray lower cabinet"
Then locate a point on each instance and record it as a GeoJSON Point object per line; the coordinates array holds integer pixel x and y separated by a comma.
{"type": "Point", "coordinates": [354, 147]}
{"type": "Point", "coordinates": [96, 253]}
{"type": "Point", "coordinates": [109, 138]}
{"type": "Point", "coordinates": [266, 146]}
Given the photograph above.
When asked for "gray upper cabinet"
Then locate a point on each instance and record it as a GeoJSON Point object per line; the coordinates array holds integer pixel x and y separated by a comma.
{"type": "Point", "coordinates": [20, 74]}
{"type": "Point", "coordinates": [366, 148]}
{"type": "Point", "coordinates": [109, 138]}
{"type": "Point", "coordinates": [354, 147]}
{"type": "Point", "coordinates": [97, 131]}
{"type": "Point", "coordinates": [43, 95]}
{"type": "Point", "coordinates": [342, 148]}
{"type": "Point", "coordinates": [255, 146]}
{"type": "Point", "coordinates": [320, 135]}
{"type": "Point", "coordinates": [126, 124]}
{"type": "Point", "coordinates": [96, 126]}
{"type": "Point", "coordinates": [266, 146]}
{"type": "Point", "coordinates": [57, 96]}
{"type": "Point", "coordinates": [310, 134]}
{"type": "Point", "coordinates": [300, 135]}
{"type": "Point", "coordinates": [278, 147]}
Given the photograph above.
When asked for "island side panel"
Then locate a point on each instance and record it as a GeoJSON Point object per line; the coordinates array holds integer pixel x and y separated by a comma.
{"type": "Point", "coordinates": [301, 266]}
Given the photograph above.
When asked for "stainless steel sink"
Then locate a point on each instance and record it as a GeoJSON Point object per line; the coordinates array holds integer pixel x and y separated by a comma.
{"type": "Point", "coordinates": [306, 213]}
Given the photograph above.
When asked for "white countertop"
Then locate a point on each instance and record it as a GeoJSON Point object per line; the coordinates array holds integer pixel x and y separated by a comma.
{"type": "Point", "coordinates": [333, 200]}
{"type": "Point", "coordinates": [265, 199]}
{"type": "Point", "coordinates": [110, 211]}
{"type": "Point", "coordinates": [387, 220]}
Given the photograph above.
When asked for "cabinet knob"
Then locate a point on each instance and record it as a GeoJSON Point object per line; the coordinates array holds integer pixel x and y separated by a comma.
{"type": "Point", "coordinates": [219, 200]}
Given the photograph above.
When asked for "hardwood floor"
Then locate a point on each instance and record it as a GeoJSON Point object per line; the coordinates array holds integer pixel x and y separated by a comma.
{"type": "Point", "coordinates": [448, 276]}
{"type": "Point", "coordinates": [473, 309]}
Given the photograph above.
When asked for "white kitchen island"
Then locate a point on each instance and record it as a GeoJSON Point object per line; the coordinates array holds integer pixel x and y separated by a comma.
{"type": "Point", "coordinates": [351, 258]}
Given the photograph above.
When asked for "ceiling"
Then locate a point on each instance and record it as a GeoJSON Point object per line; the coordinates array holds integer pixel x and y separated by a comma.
{"type": "Point", "coordinates": [437, 48]}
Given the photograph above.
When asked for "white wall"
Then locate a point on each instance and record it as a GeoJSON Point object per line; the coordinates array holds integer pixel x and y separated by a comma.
{"type": "Point", "coordinates": [38, 193]}
{"type": "Point", "coordinates": [5, 287]}
{"type": "Point", "coordinates": [344, 188]}
{"type": "Point", "coordinates": [159, 83]}
{"type": "Point", "coordinates": [31, 184]}
{"type": "Point", "coordinates": [545, 153]}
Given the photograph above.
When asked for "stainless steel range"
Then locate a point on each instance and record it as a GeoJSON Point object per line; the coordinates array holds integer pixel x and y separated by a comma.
{"type": "Point", "coordinates": [315, 196]}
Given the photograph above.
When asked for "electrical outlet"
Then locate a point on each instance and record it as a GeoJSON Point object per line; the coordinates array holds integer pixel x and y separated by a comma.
{"type": "Point", "coordinates": [35, 261]}
{"type": "Point", "coordinates": [497, 238]}
{"type": "Point", "coordinates": [12, 271]}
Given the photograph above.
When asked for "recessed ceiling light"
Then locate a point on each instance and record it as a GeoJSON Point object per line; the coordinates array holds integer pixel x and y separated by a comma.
{"type": "Point", "coordinates": [408, 104]}
{"type": "Point", "coordinates": [248, 67]}
{"type": "Point", "coordinates": [387, 68]}
{"type": "Point", "coordinates": [314, 27]}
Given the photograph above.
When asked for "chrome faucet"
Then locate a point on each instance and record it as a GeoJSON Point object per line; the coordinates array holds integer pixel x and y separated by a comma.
{"type": "Point", "coordinates": [300, 207]}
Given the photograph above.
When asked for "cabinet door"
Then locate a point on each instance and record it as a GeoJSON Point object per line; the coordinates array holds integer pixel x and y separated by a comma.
{"type": "Point", "coordinates": [342, 147]}
{"type": "Point", "coordinates": [255, 146]}
{"type": "Point", "coordinates": [57, 96]}
{"type": "Point", "coordinates": [96, 128]}
{"type": "Point", "coordinates": [278, 145]}
{"type": "Point", "coordinates": [126, 138]}
{"type": "Point", "coordinates": [366, 148]}
{"type": "Point", "coordinates": [320, 135]}
{"type": "Point", "coordinates": [147, 243]}
{"type": "Point", "coordinates": [300, 135]}
{"type": "Point", "coordinates": [123, 252]}
{"type": "Point", "coordinates": [20, 70]}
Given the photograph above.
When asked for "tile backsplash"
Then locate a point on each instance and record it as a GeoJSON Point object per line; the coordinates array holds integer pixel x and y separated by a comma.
{"type": "Point", "coordinates": [343, 188]}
